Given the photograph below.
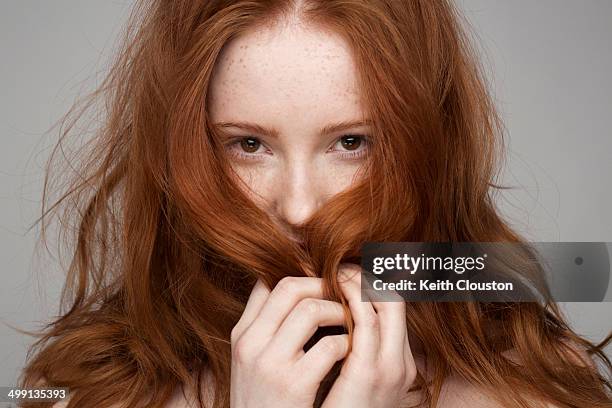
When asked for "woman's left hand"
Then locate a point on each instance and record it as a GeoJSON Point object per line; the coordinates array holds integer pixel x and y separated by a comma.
{"type": "Point", "coordinates": [380, 368]}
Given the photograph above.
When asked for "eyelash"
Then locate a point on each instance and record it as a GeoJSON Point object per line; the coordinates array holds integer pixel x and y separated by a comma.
{"type": "Point", "coordinates": [361, 150]}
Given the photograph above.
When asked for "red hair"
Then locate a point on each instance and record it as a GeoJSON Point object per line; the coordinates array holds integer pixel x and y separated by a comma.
{"type": "Point", "coordinates": [167, 246]}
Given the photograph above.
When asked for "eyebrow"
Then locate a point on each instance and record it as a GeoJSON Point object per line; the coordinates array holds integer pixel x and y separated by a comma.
{"type": "Point", "coordinates": [326, 130]}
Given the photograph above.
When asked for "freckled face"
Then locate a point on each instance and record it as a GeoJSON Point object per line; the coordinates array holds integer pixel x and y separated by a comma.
{"type": "Point", "coordinates": [287, 102]}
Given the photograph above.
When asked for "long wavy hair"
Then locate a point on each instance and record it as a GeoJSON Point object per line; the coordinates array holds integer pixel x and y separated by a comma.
{"type": "Point", "coordinates": [165, 245]}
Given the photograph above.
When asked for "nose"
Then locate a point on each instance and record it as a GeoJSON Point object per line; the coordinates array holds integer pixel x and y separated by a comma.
{"type": "Point", "coordinates": [298, 194]}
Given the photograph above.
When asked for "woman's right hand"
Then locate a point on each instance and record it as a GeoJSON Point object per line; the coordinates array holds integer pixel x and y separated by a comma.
{"type": "Point", "coordinates": [269, 366]}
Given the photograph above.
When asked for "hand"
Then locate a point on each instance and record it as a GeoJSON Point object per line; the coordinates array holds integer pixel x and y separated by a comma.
{"type": "Point", "coordinates": [380, 367]}
{"type": "Point", "coordinates": [269, 366]}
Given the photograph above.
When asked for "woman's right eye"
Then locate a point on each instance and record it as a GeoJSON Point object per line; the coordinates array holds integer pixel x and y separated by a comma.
{"type": "Point", "coordinates": [248, 147]}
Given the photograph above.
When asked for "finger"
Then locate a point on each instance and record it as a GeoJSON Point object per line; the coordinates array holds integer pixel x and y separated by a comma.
{"type": "Point", "coordinates": [393, 329]}
{"type": "Point", "coordinates": [283, 298]}
{"type": "Point", "coordinates": [302, 323]}
{"type": "Point", "coordinates": [321, 357]}
{"type": "Point", "coordinates": [366, 337]}
{"type": "Point", "coordinates": [256, 300]}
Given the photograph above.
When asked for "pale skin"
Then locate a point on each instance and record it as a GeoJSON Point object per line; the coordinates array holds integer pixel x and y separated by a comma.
{"type": "Point", "coordinates": [287, 100]}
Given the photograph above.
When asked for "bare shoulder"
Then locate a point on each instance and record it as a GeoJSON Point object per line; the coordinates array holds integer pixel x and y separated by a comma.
{"type": "Point", "coordinates": [455, 392]}
{"type": "Point", "coordinates": [459, 393]}
{"type": "Point", "coordinates": [182, 397]}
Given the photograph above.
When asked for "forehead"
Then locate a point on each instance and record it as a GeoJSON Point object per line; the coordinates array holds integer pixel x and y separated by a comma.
{"type": "Point", "coordinates": [290, 70]}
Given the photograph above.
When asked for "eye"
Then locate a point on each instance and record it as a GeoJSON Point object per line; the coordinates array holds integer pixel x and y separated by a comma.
{"type": "Point", "coordinates": [351, 146]}
{"type": "Point", "coordinates": [350, 142]}
{"type": "Point", "coordinates": [246, 148]}
{"type": "Point", "coordinates": [250, 144]}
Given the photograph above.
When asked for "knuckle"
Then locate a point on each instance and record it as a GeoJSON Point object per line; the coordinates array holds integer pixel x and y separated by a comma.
{"type": "Point", "coordinates": [348, 270]}
{"type": "Point", "coordinates": [242, 351]}
{"type": "Point", "coordinates": [287, 285]}
{"type": "Point", "coordinates": [309, 307]}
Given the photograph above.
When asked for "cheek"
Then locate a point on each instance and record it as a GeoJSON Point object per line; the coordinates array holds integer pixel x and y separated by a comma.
{"type": "Point", "coordinates": [340, 176]}
{"type": "Point", "coordinates": [258, 181]}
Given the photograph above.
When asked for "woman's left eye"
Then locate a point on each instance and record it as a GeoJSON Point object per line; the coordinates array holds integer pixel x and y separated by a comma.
{"type": "Point", "coordinates": [351, 146]}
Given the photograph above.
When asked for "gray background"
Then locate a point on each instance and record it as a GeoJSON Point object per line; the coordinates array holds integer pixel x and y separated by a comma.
{"type": "Point", "coordinates": [549, 62]}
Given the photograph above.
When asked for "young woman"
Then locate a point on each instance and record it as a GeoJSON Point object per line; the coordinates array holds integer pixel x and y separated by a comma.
{"type": "Point", "coordinates": [248, 150]}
